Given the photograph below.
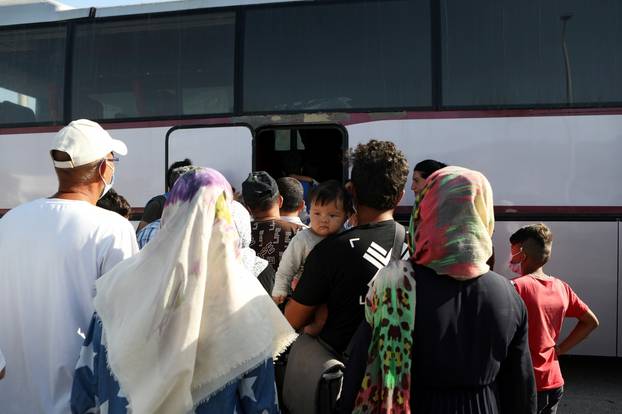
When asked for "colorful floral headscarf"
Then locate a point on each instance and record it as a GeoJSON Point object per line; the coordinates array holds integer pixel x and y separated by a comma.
{"type": "Point", "coordinates": [454, 221]}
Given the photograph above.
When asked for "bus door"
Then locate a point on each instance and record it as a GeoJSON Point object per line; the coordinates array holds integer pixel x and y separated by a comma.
{"type": "Point", "coordinates": [315, 151]}
{"type": "Point", "coordinates": [226, 148]}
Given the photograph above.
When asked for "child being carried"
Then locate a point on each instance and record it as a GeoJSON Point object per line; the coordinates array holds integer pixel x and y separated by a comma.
{"type": "Point", "coordinates": [331, 206]}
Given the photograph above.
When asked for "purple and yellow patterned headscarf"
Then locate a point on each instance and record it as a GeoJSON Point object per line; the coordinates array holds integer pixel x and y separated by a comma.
{"type": "Point", "coordinates": [177, 316]}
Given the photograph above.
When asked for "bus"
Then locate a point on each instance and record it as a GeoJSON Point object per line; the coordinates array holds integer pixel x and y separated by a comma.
{"type": "Point", "coordinates": [529, 93]}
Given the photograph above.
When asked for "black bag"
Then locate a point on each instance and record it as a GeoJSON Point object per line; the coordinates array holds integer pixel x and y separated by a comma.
{"type": "Point", "coordinates": [312, 377]}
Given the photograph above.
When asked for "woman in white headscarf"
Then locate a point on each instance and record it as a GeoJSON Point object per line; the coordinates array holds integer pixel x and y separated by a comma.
{"type": "Point", "coordinates": [183, 326]}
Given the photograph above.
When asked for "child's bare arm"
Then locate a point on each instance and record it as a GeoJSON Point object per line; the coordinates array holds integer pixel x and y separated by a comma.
{"type": "Point", "coordinates": [586, 324]}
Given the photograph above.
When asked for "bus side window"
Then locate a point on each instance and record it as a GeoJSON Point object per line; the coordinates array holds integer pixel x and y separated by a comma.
{"type": "Point", "coordinates": [91, 109]}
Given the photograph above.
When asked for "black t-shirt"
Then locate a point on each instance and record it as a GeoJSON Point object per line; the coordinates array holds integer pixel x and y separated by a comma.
{"type": "Point", "coordinates": [338, 271]}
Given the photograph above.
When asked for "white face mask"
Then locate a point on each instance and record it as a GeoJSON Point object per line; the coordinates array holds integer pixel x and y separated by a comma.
{"type": "Point", "coordinates": [515, 267]}
{"type": "Point", "coordinates": [107, 186]}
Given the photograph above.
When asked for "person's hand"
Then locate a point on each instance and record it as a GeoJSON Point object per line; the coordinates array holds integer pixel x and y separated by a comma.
{"type": "Point", "coordinates": [278, 299]}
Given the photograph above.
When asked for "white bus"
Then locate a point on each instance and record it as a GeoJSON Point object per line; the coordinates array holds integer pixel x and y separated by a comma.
{"type": "Point", "coordinates": [529, 93]}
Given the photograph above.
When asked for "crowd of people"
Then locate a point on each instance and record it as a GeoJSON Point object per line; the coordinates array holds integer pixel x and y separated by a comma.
{"type": "Point", "coordinates": [194, 310]}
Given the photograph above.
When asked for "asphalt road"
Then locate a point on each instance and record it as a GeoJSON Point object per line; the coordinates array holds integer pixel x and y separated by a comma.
{"type": "Point", "coordinates": [593, 385]}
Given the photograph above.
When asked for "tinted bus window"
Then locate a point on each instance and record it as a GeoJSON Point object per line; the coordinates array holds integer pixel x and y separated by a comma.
{"type": "Point", "coordinates": [154, 67]}
{"type": "Point", "coordinates": [373, 54]}
{"type": "Point", "coordinates": [32, 65]}
{"type": "Point", "coordinates": [504, 52]}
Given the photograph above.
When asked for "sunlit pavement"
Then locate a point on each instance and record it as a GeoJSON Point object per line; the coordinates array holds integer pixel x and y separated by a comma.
{"type": "Point", "coordinates": [593, 385]}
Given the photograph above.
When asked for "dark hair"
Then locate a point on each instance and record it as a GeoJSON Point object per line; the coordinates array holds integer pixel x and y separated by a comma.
{"type": "Point", "coordinates": [292, 192]}
{"type": "Point", "coordinates": [261, 204]}
{"type": "Point", "coordinates": [427, 167]}
{"type": "Point", "coordinates": [332, 191]}
{"type": "Point", "coordinates": [113, 201]}
{"type": "Point", "coordinates": [536, 241]}
{"type": "Point", "coordinates": [379, 174]}
{"type": "Point", "coordinates": [170, 177]}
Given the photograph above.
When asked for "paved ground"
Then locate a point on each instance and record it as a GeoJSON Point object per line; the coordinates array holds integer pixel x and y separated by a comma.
{"type": "Point", "coordinates": [593, 385]}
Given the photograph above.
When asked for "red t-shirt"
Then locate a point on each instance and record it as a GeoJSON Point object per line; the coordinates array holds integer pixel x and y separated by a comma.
{"type": "Point", "coordinates": [548, 302]}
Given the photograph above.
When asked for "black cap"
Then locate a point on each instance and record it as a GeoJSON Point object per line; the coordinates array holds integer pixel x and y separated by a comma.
{"type": "Point", "coordinates": [258, 187]}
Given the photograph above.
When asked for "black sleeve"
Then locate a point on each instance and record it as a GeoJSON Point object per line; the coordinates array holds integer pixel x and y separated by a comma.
{"type": "Point", "coordinates": [314, 285]}
{"type": "Point", "coordinates": [153, 209]}
{"type": "Point", "coordinates": [517, 385]}
{"type": "Point", "coordinates": [266, 278]}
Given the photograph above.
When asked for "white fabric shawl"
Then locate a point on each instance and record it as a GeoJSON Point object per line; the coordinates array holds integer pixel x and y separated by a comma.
{"type": "Point", "coordinates": [242, 221]}
{"type": "Point", "coordinates": [184, 317]}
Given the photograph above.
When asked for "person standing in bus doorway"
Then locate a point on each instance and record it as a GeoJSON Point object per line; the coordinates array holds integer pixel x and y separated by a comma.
{"type": "Point", "coordinates": [548, 301]}
{"type": "Point", "coordinates": [52, 250]}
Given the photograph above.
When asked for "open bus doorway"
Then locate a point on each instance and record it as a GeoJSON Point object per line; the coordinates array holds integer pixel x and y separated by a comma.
{"type": "Point", "coordinates": [313, 151]}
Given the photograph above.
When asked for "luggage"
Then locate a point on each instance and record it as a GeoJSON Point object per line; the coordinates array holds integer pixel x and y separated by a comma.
{"type": "Point", "coordinates": [313, 377]}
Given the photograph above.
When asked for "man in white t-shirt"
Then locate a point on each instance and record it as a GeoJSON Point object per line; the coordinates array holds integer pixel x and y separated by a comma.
{"type": "Point", "coordinates": [51, 252]}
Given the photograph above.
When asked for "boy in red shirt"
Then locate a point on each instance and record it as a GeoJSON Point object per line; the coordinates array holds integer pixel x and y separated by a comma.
{"type": "Point", "coordinates": [548, 301]}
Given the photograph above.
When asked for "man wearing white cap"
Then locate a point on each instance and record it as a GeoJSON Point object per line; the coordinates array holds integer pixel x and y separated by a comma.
{"type": "Point", "coordinates": [51, 252]}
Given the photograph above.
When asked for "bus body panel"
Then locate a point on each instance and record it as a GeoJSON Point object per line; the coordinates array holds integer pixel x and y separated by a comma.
{"type": "Point", "coordinates": [530, 161]}
{"type": "Point", "coordinates": [26, 170]}
{"type": "Point", "coordinates": [226, 149]}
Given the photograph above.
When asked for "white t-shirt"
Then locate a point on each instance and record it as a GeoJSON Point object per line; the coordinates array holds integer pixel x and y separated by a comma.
{"type": "Point", "coordinates": [51, 252]}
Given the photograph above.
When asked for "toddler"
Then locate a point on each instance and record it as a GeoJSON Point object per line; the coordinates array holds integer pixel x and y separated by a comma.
{"type": "Point", "coordinates": [331, 206]}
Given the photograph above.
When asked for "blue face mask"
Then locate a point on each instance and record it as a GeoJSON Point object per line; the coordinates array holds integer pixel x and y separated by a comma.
{"type": "Point", "coordinates": [107, 186]}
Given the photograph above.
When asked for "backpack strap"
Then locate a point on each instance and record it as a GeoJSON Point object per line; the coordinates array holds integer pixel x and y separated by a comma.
{"type": "Point", "coordinates": [398, 242]}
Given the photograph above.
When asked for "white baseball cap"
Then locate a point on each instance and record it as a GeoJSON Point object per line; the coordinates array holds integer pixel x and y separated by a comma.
{"type": "Point", "coordinates": [85, 141]}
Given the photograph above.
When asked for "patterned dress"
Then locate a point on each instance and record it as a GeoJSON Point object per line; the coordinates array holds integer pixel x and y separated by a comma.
{"type": "Point", "coordinates": [95, 390]}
